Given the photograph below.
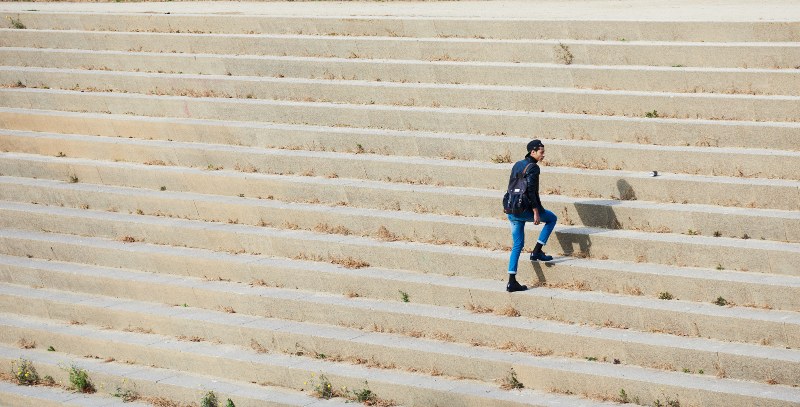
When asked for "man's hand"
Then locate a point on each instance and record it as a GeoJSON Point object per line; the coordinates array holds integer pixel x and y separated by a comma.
{"type": "Point", "coordinates": [536, 219]}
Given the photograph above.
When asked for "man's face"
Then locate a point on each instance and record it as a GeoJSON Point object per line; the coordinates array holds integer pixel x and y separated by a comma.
{"type": "Point", "coordinates": [538, 155]}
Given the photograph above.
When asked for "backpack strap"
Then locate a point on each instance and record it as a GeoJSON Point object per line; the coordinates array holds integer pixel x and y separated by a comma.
{"type": "Point", "coordinates": [524, 172]}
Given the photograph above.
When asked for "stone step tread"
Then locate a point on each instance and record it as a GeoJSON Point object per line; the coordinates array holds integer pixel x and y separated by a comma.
{"type": "Point", "coordinates": [399, 215]}
{"type": "Point", "coordinates": [705, 241]}
{"type": "Point", "coordinates": [377, 159]}
{"type": "Point", "coordinates": [67, 298]}
{"type": "Point", "coordinates": [787, 318]}
{"type": "Point", "coordinates": [399, 109]}
{"type": "Point", "coordinates": [634, 271]}
{"type": "Point", "coordinates": [418, 382]}
{"type": "Point", "coordinates": [520, 65]}
{"type": "Point", "coordinates": [371, 211]}
{"type": "Point", "coordinates": [270, 395]}
{"type": "Point", "coordinates": [18, 395]}
{"type": "Point", "coordinates": [434, 120]}
{"type": "Point", "coordinates": [409, 134]}
{"type": "Point", "coordinates": [483, 41]}
{"type": "Point", "coordinates": [165, 343]}
{"type": "Point", "coordinates": [471, 22]}
{"type": "Point", "coordinates": [406, 85]}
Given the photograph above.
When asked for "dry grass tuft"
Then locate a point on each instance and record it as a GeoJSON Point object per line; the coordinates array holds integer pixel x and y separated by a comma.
{"type": "Point", "coordinates": [26, 344]}
{"type": "Point", "coordinates": [191, 338]}
{"type": "Point", "coordinates": [349, 262]}
{"type": "Point", "coordinates": [632, 290]}
{"type": "Point", "coordinates": [257, 346]}
{"type": "Point", "coordinates": [164, 402]}
{"type": "Point", "coordinates": [336, 230]}
{"type": "Point", "coordinates": [138, 329]}
{"type": "Point", "coordinates": [384, 234]}
{"type": "Point", "coordinates": [508, 311]}
{"type": "Point", "coordinates": [478, 309]}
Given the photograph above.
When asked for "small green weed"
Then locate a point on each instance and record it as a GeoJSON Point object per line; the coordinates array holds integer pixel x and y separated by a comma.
{"type": "Point", "coordinates": [322, 389]}
{"type": "Point", "coordinates": [61, 154]}
{"type": "Point", "coordinates": [229, 403]}
{"type": "Point", "coordinates": [701, 371]}
{"type": "Point", "coordinates": [24, 372]}
{"type": "Point", "coordinates": [719, 267]}
{"type": "Point", "coordinates": [364, 395]}
{"type": "Point", "coordinates": [717, 234]}
{"type": "Point", "coordinates": [209, 400]}
{"type": "Point", "coordinates": [665, 295]}
{"type": "Point", "coordinates": [623, 397]}
{"type": "Point", "coordinates": [652, 115]}
{"type": "Point", "coordinates": [721, 301]}
{"type": "Point", "coordinates": [691, 232]}
{"type": "Point", "coordinates": [73, 179]}
{"type": "Point", "coordinates": [403, 296]}
{"type": "Point", "coordinates": [511, 382]}
{"type": "Point", "coordinates": [163, 188]}
{"type": "Point", "coordinates": [51, 349]}
{"type": "Point", "coordinates": [677, 66]}
{"type": "Point", "coordinates": [127, 395]}
{"type": "Point", "coordinates": [16, 23]}
{"type": "Point", "coordinates": [79, 379]}
{"type": "Point", "coordinates": [668, 403]}
{"type": "Point", "coordinates": [563, 54]}
{"type": "Point", "coordinates": [591, 359]}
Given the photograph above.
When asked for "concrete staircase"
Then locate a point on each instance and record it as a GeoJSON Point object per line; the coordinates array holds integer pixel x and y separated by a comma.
{"type": "Point", "coordinates": [259, 206]}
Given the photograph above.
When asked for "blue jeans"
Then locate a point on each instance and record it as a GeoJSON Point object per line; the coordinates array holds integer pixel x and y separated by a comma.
{"type": "Point", "coordinates": [518, 233]}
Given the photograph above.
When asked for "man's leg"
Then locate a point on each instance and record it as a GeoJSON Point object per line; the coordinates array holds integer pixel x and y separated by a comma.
{"type": "Point", "coordinates": [549, 219]}
{"type": "Point", "coordinates": [518, 235]}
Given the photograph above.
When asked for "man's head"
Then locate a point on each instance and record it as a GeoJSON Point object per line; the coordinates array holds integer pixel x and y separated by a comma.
{"type": "Point", "coordinates": [536, 150]}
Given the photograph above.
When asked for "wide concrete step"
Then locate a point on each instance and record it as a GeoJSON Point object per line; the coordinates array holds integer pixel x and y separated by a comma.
{"type": "Point", "coordinates": [620, 77]}
{"type": "Point", "coordinates": [229, 363]}
{"type": "Point", "coordinates": [14, 395]}
{"type": "Point", "coordinates": [445, 323]}
{"type": "Point", "coordinates": [688, 284]}
{"type": "Point", "coordinates": [507, 98]}
{"type": "Point", "coordinates": [350, 251]}
{"type": "Point", "coordinates": [561, 153]}
{"type": "Point", "coordinates": [578, 182]}
{"type": "Point", "coordinates": [741, 361]}
{"type": "Point", "coordinates": [659, 131]}
{"type": "Point", "coordinates": [483, 362]}
{"type": "Point", "coordinates": [628, 245]}
{"type": "Point", "coordinates": [777, 55]}
{"type": "Point", "coordinates": [396, 26]}
{"type": "Point", "coordinates": [156, 386]}
{"type": "Point", "coordinates": [470, 202]}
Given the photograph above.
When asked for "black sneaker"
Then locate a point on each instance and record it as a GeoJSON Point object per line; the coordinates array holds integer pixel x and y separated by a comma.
{"type": "Point", "coordinates": [540, 256]}
{"type": "Point", "coordinates": [515, 286]}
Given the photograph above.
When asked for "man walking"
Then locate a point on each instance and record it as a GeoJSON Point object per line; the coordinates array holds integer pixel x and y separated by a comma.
{"type": "Point", "coordinates": [536, 214]}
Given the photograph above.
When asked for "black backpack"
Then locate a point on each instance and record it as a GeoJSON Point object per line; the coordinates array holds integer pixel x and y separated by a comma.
{"type": "Point", "coordinates": [516, 201]}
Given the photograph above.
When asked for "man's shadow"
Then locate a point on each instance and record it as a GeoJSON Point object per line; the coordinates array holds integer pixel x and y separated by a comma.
{"type": "Point", "coordinates": [596, 216]}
